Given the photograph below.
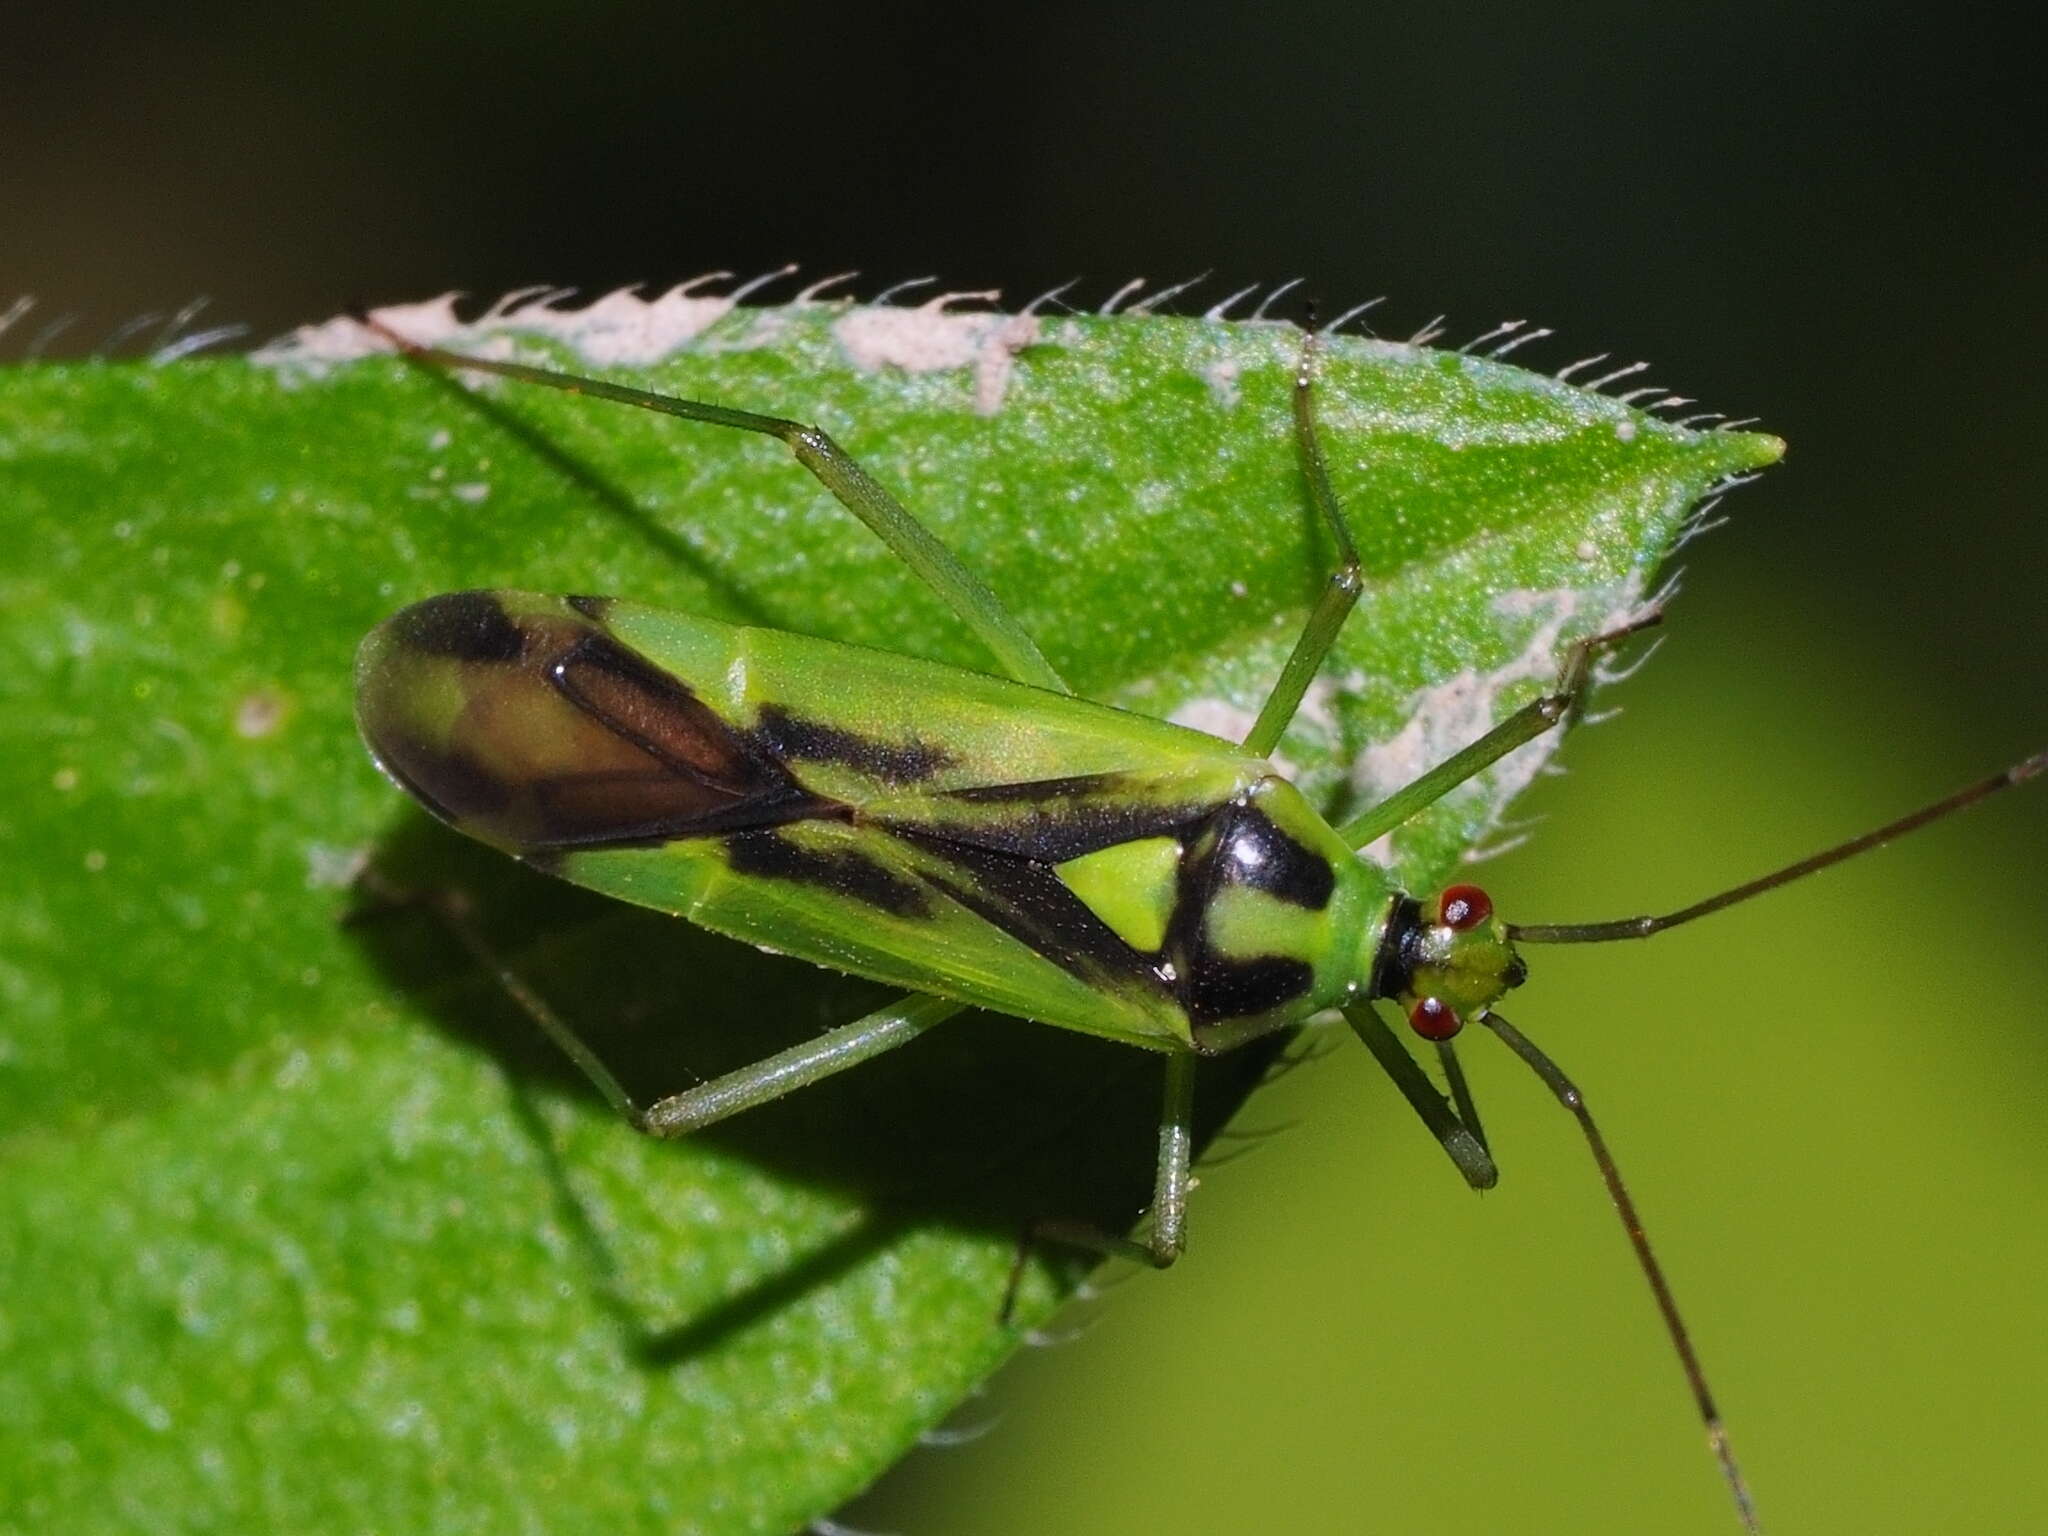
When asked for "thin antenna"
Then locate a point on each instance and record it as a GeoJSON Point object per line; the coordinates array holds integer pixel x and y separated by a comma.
{"type": "Point", "coordinates": [1643, 927]}
{"type": "Point", "coordinates": [1568, 1095]}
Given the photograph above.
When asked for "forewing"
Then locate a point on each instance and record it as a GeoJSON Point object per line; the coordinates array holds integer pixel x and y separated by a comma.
{"type": "Point", "coordinates": [523, 722]}
{"type": "Point", "coordinates": [986, 928]}
{"type": "Point", "coordinates": [861, 725]}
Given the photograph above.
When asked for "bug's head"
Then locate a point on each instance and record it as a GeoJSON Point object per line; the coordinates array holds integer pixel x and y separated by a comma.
{"type": "Point", "coordinates": [1449, 958]}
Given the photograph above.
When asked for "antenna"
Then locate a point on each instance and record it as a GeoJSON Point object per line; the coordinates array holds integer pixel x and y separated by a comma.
{"type": "Point", "coordinates": [1643, 927]}
{"type": "Point", "coordinates": [1568, 1095]}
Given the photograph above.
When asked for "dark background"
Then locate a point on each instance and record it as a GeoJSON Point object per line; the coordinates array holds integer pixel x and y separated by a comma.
{"type": "Point", "coordinates": [1825, 216]}
{"type": "Point", "coordinates": [1828, 217]}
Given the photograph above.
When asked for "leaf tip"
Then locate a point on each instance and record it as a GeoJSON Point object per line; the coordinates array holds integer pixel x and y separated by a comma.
{"type": "Point", "coordinates": [1762, 449]}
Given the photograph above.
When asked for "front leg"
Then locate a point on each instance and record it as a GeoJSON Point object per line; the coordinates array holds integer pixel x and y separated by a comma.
{"type": "Point", "coordinates": [1524, 725]}
{"type": "Point", "coordinates": [1462, 1142]}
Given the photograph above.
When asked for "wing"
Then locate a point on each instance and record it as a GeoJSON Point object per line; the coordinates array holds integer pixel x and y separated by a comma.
{"type": "Point", "coordinates": [871, 813]}
{"type": "Point", "coordinates": [861, 725]}
{"type": "Point", "coordinates": [1006, 934]}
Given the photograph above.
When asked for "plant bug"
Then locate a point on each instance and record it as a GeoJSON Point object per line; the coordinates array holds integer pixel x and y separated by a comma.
{"type": "Point", "coordinates": [985, 840]}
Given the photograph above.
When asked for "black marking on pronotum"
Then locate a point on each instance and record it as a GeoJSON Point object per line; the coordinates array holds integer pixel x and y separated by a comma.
{"type": "Point", "coordinates": [843, 872]}
{"type": "Point", "coordinates": [1218, 989]}
{"type": "Point", "coordinates": [1214, 986]}
{"type": "Point", "coordinates": [463, 626]}
{"type": "Point", "coordinates": [1393, 964]}
{"type": "Point", "coordinates": [597, 609]}
{"type": "Point", "coordinates": [792, 736]}
{"type": "Point", "coordinates": [1252, 851]}
{"type": "Point", "coordinates": [1028, 901]}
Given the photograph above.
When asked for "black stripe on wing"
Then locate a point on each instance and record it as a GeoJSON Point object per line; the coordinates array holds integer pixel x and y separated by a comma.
{"type": "Point", "coordinates": [1027, 900]}
{"type": "Point", "coordinates": [1053, 820]}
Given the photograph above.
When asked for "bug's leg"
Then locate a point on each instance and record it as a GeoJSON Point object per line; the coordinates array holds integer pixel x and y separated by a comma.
{"type": "Point", "coordinates": [1458, 1135]}
{"type": "Point", "coordinates": [1524, 725]}
{"type": "Point", "coordinates": [451, 907]}
{"type": "Point", "coordinates": [1461, 1092]}
{"type": "Point", "coordinates": [837, 470]}
{"type": "Point", "coordinates": [1169, 1209]}
{"type": "Point", "coordinates": [887, 1027]}
{"type": "Point", "coordinates": [678, 1114]}
{"type": "Point", "coordinates": [1340, 593]}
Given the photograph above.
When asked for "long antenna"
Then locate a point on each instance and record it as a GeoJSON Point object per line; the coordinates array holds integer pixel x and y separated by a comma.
{"type": "Point", "coordinates": [1710, 1416]}
{"type": "Point", "coordinates": [1643, 927]}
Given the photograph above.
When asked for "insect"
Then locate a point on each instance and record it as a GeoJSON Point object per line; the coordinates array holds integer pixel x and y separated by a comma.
{"type": "Point", "coordinates": [984, 839]}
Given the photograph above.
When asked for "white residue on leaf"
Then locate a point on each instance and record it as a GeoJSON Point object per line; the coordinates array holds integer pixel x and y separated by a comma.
{"type": "Point", "coordinates": [1221, 377]}
{"type": "Point", "coordinates": [932, 339]}
{"type": "Point", "coordinates": [619, 330]}
{"type": "Point", "coordinates": [624, 330]}
{"type": "Point", "coordinates": [1217, 717]}
{"type": "Point", "coordinates": [1228, 722]}
{"type": "Point", "coordinates": [260, 713]}
{"type": "Point", "coordinates": [329, 867]}
{"type": "Point", "coordinates": [1449, 716]}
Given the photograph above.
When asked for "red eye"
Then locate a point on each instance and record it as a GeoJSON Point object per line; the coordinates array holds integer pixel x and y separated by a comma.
{"type": "Point", "coordinates": [1434, 1020]}
{"type": "Point", "coordinates": [1465, 907]}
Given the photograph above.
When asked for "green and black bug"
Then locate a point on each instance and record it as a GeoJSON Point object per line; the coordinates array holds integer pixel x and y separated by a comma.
{"type": "Point", "coordinates": [980, 840]}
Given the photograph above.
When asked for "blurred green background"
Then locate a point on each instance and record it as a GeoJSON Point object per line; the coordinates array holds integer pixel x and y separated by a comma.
{"type": "Point", "coordinates": [1826, 216]}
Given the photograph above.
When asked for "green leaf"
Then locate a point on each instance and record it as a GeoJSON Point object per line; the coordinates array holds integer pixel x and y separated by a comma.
{"type": "Point", "coordinates": [301, 1226]}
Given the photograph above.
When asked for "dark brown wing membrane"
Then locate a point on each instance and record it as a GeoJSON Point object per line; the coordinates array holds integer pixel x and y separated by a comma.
{"type": "Point", "coordinates": [532, 728]}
